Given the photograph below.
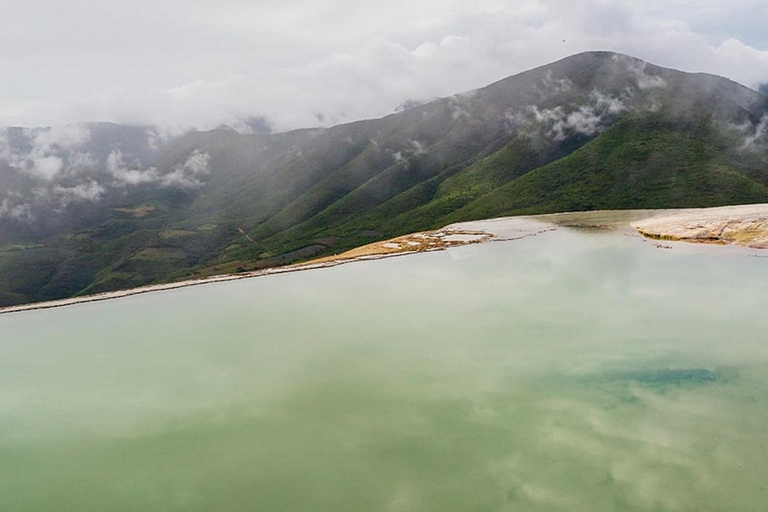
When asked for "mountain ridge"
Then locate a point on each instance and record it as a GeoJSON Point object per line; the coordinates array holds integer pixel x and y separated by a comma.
{"type": "Point", "coordinates": [125, 206]}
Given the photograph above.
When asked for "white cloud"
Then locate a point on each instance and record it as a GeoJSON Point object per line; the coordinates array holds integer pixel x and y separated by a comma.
{"type": "Point", "coordinates": [645, 81]}
{"type": "Point", "coordinates": [45, 159]}
{"type": "Point", "coordinates": [188, 175]}
{"type": "Point", "coordinates": [556, 86]}
{"type": "Point", "coordinates": [584, 121]}
{"type": "Point", "coordinates": [124, 174]}
{"type": "Point", "coordinates": [179, 178]}
{"type": "Point", "coordinates": [760, 135]}
{"type": "Point", "coordinates": [546, 115]}
{"type": "Point", "coordinates": [559, 122]}
{"type": "Point", "coordinates": [198, 163]}
{"type": "Point", "coordinates": [62, 137]}
{"type": "Point", "coordinates": [20, 211]}
{"type": "Point", "coordinates": [319, 72]}
{"type": "Point", "coordinates": [418, 147]}
{"type": "Point", "coordinates": [75, 178]}
{"type": "Point", "coordinates": [79, 162]}
{"type": "Point", "coordinates": [610, 104]}
{"type": "Point", "coordinates": [398, 157]}
{"type": "Point", "coordinates": [90, 191]}
{"type": "Point", "coordinates": [45, 167]}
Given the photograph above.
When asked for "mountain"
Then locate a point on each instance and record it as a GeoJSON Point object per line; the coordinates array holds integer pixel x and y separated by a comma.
{"type": "Point", "coordinates": [97, 207]}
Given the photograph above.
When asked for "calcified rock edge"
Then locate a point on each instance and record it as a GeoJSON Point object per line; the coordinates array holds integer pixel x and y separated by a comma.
{"type": "Point", "coordinates": [745, 225]}
{"type": "Point", "coordinates": [454, 235]}
{"type": "Point", "coordinates": [742, 225]}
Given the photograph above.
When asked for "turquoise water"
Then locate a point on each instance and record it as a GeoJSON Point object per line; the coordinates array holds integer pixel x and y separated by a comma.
{"type": "Point", "coordinates": [578, 370]}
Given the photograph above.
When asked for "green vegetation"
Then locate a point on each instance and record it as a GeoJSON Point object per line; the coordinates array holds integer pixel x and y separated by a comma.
{"type": "Point", "coordinates": [579, 134]}
{"type": "Point", "coordinates": [639, 163]}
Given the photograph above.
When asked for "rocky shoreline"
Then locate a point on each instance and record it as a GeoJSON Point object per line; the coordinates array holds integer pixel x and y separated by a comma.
{"type": "Point", "coordinates": [744, 225]}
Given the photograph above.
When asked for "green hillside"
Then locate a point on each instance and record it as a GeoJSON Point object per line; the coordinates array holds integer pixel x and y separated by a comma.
{"type": "Point", "coordinates": [638, 163]}
{"type": "Point", "coordinates": [593, 131]}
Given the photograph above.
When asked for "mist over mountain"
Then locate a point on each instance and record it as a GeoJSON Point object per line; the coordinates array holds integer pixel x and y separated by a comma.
{"type": "Point", "coordinates": [94, 207]}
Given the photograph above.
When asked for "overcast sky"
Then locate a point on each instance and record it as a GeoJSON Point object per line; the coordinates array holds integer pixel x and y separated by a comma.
{"type": "Point", "coordinates": [200, 63]}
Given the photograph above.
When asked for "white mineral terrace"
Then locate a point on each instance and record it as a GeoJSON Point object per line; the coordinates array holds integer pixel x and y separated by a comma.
{"type": "Point", "coordinates": [745, 225]}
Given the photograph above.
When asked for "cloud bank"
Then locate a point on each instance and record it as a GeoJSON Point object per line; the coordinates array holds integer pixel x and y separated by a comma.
{"type": "Point", "coordinates": [293, 64]}
{"type": "Point", "coordinates": [54, 168]}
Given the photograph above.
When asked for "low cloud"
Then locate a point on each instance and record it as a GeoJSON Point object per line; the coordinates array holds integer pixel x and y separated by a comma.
{"type": "Point", "coordinates": [190, 173]}
{"type": "Point", "coordinates": [407, 50]}
{"type": "Point", "coordinates": [60, 138]}
{"type": "Point", "coordinates": [55, 170]}
{"type": "Point", "coordinates": [413, 148]}
{"type": "Point", "coordinates": [554, 86]}
{"type": "Point", "coordinates": [90, 191]}
{"type": "Point", "coordinates": [759, 136]}
{"type": "Point", "coordinates": [50, 147]}
{"type": "Point", "coordinates": [645, 80]}
{"type": "Point", "coordinates": [128, 175]}
{"type": "Point", "coordinates": [418, 147]}
{"type": "Point", "coordinates": [584, 121]}
{"type": "Point", "coordinates": [186, 175]}
{"type": "Point", "coordinates": [558, 123]}
{"type": "Point", "coordinates": [198, 163]}
{"type": "Point", "coordinates": [609, 104]}
{"type": "Point", "coordinates": [21, 211]}
{"type": "Point", "coordinates": [45, 167]}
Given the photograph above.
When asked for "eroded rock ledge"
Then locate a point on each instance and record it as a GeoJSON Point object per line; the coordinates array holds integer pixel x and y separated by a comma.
{"type": "Point", "coordinates": [745, 225]}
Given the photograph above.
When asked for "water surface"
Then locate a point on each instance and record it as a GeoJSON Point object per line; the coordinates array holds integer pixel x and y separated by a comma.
{"type": "Point", "coordinates": [577, 370]}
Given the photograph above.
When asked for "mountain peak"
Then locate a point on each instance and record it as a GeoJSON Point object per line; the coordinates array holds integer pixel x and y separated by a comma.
{"type": "Point", "coordinates": [593, 130]}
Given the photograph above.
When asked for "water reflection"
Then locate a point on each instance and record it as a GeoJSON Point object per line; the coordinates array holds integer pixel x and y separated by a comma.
{"type": "Point", "coordinates": [578, 370]}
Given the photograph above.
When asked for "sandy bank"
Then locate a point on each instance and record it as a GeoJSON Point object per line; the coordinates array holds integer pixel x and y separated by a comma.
{"type": "Point", "coordinates": [745, 225]}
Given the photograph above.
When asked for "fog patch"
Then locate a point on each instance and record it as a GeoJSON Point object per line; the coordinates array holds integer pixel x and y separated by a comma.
{"type": "Point", "coordinates": [759, 137]}
{"type": "Point", "coordinates": [186, 175]}
{"type": "Point", "coordinates": [61, 138]}
{"type": "Point", "coordinates": [644, 80]}
{"type": "Point", "coordinates": [50, 146]}
{"type": "Point", "coordinates": [90, 191]}
{"type": "Point", "coordinates": [45, 167]}
{"type": "Point", "coordinates": [189, 173]}
{"type": "Point", "coordinates": [554, 86]}
{"type": "Point", "coordinates": [126, 175]}
{"type": "Point", "coordinates": [49, 151]}
{"type": "Point", "coordinates": [19, 211]}
{"type": "Point", "coordinates": [459, 112]}
{"type": "Point", "coordinates": [584, 121]}
{"type": "Point", "coordinates": [610, 104]}
{"type": "Point", "coordinates": [157, 138]}
{"type": "Point", "coordinates": [418, 147]}
{"type": "Point", "coordinates": [457, 104]}
{"type": "Point", "coordinates": [558, 123]}
{"type": "Point", "coordinates": [409, 104]}
{"type": "Point", "coordinates": [413, 148]}
{"type": "Point", "coordinates": [257, 125]}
